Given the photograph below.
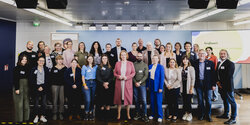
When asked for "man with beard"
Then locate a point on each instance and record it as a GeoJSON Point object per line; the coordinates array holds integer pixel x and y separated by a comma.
{"type": "Point", "coordinates": [32, 56]}
{"type": "Point", "coordinates": [32, 62]}
{"type": "Point", "coordinates": [140, 91]}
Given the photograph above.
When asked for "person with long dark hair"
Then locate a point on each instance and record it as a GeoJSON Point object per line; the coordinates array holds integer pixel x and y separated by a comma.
{"type": "Point", "coordinates": [73, 80]}
{"type": "Point", "coordinates": [178, 52]}
{"type": "Point", "coordinates": [96, 51]}
{"type": "Point", "coordinates": [39, 77]}
{"type": "Point", "coordinates": [89, 86]}
{"type": "Point", "coordinates": [57, 85]}
{"type": "Point", "coordinates": [105, 87]}
{"type": "Point", "coordinates": [81, 54]}
{"type": "Point", "coordinates": [40, 47]}
{"type": "Point", "coordinates": [210, 56]}
{"type": "Point", "coordinates": [20, 91]}
{"type": "Point", "coordinates": [187, 87]}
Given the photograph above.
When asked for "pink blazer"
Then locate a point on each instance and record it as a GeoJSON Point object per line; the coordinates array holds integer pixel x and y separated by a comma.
{"type": "Point", "coordinates": [128, 92]}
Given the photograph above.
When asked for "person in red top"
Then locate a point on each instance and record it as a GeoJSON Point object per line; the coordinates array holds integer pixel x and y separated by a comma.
{"type": "Point", "coordinates": [210, 56]}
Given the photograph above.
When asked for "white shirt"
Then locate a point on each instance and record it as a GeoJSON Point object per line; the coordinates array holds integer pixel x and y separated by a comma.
{"type": "Point", "coordinates": [118, 53]}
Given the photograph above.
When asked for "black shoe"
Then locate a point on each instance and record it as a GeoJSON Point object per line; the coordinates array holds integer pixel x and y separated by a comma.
{"type": "Point", "coordinates": [137, 116]}
{"type": "Point", "coordinates": [91, 116]}
{"type": "Point", "coordinates": [86, 116]}
{"type": "Point", "coordinates": [169, 119]}
{"type": "Point", "coordinates": [230, 121]}
{"type": "Point", "coordinates": [209, 119]}
{"type": "Point", "coordinates": [201, 118]}
{"type": "Point", "coordinates": [223, 116]}
{"type": "Point", "coordinates": [145, 118]}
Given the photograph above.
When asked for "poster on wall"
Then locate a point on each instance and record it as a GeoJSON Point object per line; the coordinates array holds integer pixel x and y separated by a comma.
{"type": "Point", "coordinates": [236, 42]}
{"type": "Point", "coordinates": [59, 37]}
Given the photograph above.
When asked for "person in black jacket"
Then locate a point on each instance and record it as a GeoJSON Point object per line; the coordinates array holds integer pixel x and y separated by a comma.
{"type": "Point", "coordinates": [105, 87]}
{"type": "Point", "coordinates": [204, 84]}
{"type": "Point", "coordinates": [189, 53]}
{"type": "Point", "coordinates": [110, 55]}
{"type": "Point", "coordinates": [73, 80]}
{"type": "Point", "coordinates": [224, 77]}
{"type": "Point", "coordinates": [20, 92]}
{"type": "Point", "coordinates": [57, 85]}
{"type": "Point", "coordinates": [116, 51]}
{"type": "Point", "coordinates": [39, 77]}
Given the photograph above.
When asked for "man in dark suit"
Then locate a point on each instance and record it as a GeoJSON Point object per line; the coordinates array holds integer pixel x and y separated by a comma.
{"type": "Point", "coordinates": [225, 82]}
{"type": "Point", "coordinates": [115, 52]}
{"type": "Point", "coordinates": [204, 84]}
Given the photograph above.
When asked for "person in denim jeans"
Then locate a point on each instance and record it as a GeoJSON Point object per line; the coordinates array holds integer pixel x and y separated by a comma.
{"type": "Point", "coordinates": [89, 86]}
{"type": "Point", "coordinates": [140, 91]}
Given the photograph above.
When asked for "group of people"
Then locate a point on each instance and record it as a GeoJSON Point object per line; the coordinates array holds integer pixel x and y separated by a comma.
{"type": "Point", "coordinates": [118, 77]}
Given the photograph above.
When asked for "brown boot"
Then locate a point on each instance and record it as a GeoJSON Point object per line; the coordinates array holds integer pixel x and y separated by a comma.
{"type": "Point", "coordinates": [70, 117]}
{"type": "Point", "coordinates": [78, 117]}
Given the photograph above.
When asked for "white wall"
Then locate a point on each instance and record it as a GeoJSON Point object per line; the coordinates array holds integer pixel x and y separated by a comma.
{"type": "Point", "coordinates": [27, 32]}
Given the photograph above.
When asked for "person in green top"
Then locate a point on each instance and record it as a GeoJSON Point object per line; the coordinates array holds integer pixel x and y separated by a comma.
{"type": "Point", "coordinates": [81, 55]}
{"type": "Point", "coordinates": [140, 92]}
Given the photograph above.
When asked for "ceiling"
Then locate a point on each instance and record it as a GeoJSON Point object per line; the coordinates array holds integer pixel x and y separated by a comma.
{"type": "Point", "coordinates": [144, 11]}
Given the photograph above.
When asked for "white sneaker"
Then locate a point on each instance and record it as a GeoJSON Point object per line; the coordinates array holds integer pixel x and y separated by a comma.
{"type": "Point", "coordinates": [36, 119]}
{"type": "Point", "coordinates": [150, 117]}
{"type": "Point", "coordinates": [43, 119]}
{"type": "Point", "coordinates": [189, 117]}
{"type": "Point", "coordinates": [159, 120]}
{"type": "Point", "coordinates": [185, 116]}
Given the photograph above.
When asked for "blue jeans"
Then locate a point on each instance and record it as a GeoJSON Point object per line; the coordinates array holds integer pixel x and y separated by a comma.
{"type": "Point", "coordinates": [228, 98]}
{"type": "Point", "coordinates": [140, 94]}
{"type": "Point", "coordinates": [89, 95]}
{"type": "Point", "coordinates": [215, 93]}
{"type": "Point", "coordinates": [202, 94]}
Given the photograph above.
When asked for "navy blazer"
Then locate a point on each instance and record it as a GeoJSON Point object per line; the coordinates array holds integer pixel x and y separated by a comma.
{"type": "Point", "coordinates": [33, 78]}
{"type": "Point", "coordinates": [158, 80]}
{"type": "Point", "coordinates": [114, 54]}
{"type": "Point", "coordinates": [68, 76]}
{"type": "Point", "coordinates": [224, 74]}
{"type": "Point", "coordinates": [209, 75]}
{"type": "Point", "coordinates": [192, 58]}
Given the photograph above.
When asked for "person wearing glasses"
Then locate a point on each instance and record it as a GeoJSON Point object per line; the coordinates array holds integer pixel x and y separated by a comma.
{"type": "Point", "coordinates": [39, 77]}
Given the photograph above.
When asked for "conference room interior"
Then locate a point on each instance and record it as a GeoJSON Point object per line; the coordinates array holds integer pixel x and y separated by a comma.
{"type": "Point", "coordinates": [220, 24]}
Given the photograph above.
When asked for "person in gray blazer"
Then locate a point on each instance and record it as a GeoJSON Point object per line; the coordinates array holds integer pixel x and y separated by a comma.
{"type": "Point", "coordinates": [172, 82]}
{"type": "Point", "coordinates": [187, 87]}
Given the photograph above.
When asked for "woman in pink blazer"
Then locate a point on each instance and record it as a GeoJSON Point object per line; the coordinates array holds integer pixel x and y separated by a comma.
{"type": "Point", "coordinates": [124, 72]}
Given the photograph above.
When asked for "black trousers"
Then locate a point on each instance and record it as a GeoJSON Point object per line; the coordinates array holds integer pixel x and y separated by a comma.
{"type": "Point", "coordinates": [187, 102]}
{"type": "Point", "coordinates": [74, 101]}
{"type": "Point", "coordinates": [172, 101]}
{"type": "Point", "coordinates": [41, 110]}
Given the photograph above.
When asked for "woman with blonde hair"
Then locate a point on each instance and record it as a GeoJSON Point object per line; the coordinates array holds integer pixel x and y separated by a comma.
{"type": "Point", "coordinates": [169, 54]}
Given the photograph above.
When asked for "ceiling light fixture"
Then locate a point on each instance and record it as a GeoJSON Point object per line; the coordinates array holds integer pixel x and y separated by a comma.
{"type": "Point", "coordinates": [134, 27]}
{"type": "Point", "coordinates": [92, 26]}
{"type": "Point", "coordinates": [146, 27]}
{"type": "Point", "coordinates": [105, 26]}
{"type": "Point", "coordinates": [38, 12]}
{"type": "Point", "coordinates": [118, 27]}
{"type": "Point", "coordinates": [161, 26]}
